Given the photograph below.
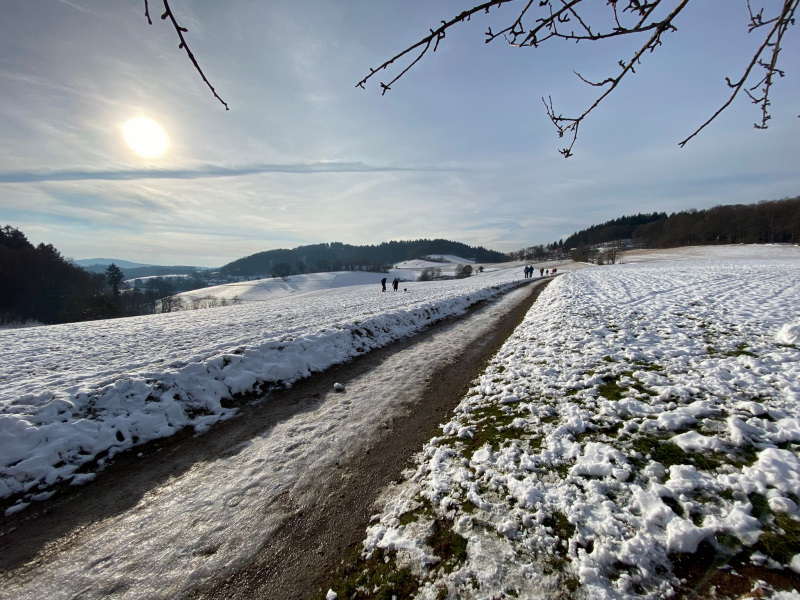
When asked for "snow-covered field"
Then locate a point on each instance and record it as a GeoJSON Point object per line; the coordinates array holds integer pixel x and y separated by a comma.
{"type": "Point", "coordinates": [73, 394]}
{"type": "Point", "coordinates": [641, 413]}
{"type": "Point", "coordinates": [259, 290]}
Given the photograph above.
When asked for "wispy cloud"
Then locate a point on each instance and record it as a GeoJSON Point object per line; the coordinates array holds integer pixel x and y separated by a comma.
{"type": "Point", "coordinates": [206, 171]}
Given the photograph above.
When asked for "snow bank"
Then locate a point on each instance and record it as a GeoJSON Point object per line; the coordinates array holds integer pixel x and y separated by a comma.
{"type": "Point", "coordinates": [74, 395]}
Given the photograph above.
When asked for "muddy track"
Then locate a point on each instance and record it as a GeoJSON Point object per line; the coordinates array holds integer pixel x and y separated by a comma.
{"type": "Point", "coordinates": [311, 543]}
{"type": "Point", "coordinates": [323, 522]}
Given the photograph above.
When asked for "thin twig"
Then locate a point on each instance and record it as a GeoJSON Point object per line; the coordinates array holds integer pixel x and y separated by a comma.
{"type": "Point", "coordinates": [790, 6]}
{"type": "Point", "coordinates": [168, 14]}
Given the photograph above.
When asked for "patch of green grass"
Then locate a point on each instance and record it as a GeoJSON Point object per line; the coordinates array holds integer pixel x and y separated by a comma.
{"type": "Point", "coordinates": [448, 545]}
{"type": "Point", "coordinates": [376, 578]}
{"type": "Point", "coordinates": [554, 563]}
{"type": "Point", "coordinates": [491, 427]}
{"type": "Point", "coordinates": [745, 456]}
{"type": "Point", "coordinates": [562, 469]}
{"type": "Point", "coordinates": [554, 418]}
{"type": "Point", "coordinates": [782, 543]}
{"type": "Point", "coordinates": [760, 505]}
{"type": "Point", "coordinates": [668, 454]}
{"type": "Point", "coordinates": [612, 390]}
{"type": "Point", "coordinates": [740, 351]}
{"type": "Point", "coordinates": [676, 506]}
{"type": "Point", "coordinates": [597, 430]}
{"type": "Point", "coordinates": [424, 510]}
{"type": "Point", "coordinates": [560, 524]}
{"type": "Point", "coordinates": [729, 543]}
{"type": "Point", "coordinates": [646, 366]}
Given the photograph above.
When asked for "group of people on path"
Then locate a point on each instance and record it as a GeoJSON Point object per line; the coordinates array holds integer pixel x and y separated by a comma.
{"type": "Point", "coordinates": [529, 271]}
{"type": "Point", "coordinates": [395, 283]}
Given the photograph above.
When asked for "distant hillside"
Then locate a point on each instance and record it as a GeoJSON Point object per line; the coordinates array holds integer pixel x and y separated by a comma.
{"type": "Point", "coordinates": [617, 229]}
{"type": "Point", "coordinates": [336, 256]}
{"type": "Point", "coordinates": [105, 262]}
{"type": "Point", "coordinates": [765, 222]}
{"type": "Point", "coordinates": [141, 271]}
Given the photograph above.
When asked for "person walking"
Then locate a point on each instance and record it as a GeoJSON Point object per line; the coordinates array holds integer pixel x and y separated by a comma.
{"type": "Point", "coordinates": [395, 283]}
{"type": "Point", "coordinates": [383, 284]}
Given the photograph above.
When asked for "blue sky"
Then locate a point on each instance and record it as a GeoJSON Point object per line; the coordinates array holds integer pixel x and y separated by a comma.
{"type": "Point", "coordinates": [461, 148]}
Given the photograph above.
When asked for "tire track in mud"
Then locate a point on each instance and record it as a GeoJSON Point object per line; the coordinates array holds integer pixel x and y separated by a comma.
{"type": "Point", "coordinates": [327, 524]}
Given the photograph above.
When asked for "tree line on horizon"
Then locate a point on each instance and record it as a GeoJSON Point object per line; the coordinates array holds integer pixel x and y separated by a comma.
{"type": "Point", "coordinates": [336, 256]}
{"type": "Point", "coordinates": [765, 222]}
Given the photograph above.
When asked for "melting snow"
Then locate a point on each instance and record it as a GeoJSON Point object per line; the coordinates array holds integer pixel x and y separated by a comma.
{"type": "Point", "coordinates": [639, 410]}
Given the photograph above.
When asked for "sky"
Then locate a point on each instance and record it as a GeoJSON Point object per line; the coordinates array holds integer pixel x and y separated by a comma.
{"type": "Point", "coordinates": [460, 148]}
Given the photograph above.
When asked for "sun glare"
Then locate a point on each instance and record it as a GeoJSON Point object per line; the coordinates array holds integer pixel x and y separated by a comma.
{"type": "Point", "coordinates": [145, 137]}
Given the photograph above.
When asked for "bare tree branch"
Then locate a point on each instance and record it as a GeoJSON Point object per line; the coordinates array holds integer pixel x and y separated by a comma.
{"type": "Point", "coordinates": [781, 23]}
{"type": "Point", "coordinates": [436, 35]}
{"type": "Point", "coordinates": [628, 17]}
{"type": "Point", "coordinates": [168, 14]}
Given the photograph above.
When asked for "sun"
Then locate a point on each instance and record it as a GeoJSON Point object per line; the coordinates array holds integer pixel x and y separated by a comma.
{"type": "Point", "coordinates": [145, 137]}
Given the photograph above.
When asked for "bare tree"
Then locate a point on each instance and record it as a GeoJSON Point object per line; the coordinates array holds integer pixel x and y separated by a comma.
{"type": "Point", "coordinates": [612, 251]}
{"type": "Point", "coordinates": [650, 19]}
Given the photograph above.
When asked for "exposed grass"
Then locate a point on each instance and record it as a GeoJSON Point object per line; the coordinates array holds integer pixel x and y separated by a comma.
{"type": "Point", "coordinates": [760, 506]}
{"type": "Point", "coordinates": [491, 427]}
{"type": "Point", "coordinates": [740, 351]}
{"type": "Point", "coordinates": [376, 578]}
{"type": "Point", "coordinates": [612, 390]}
{"type": "Point", "coordinates": [669, 454]}
{"type": "Point", "coordinates": [646, 366]}
{"type": "Point", "coordinates": [782, 542]}
{"type": "Point", "coordinates": [448, 545]}
{"type": "Point", "coordinates": [674, 505]}
{"type": "Point", "coordinates": [424, 510]}
{"type": "Point", "coordinates": [744, 456]}
{"type": "Point", "coordinates": [560, 525]}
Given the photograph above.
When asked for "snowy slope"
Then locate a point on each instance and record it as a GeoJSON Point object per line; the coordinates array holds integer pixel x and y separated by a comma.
{"type": "Point", "coordinates": [72, 392]}
{"type": "Point", "coordinates": [639, 411]}
{"type": "Point", "coordinates": [276, 287]}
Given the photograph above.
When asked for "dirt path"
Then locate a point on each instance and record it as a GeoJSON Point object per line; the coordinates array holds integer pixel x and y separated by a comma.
{"type": "Point", "coordinates": [311, 543]}
{"type": "Point", "coordinates": [322, 521]}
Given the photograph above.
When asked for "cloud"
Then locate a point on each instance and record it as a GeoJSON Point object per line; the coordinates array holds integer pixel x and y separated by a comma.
{"type": "Point", "coordinates": [206, 171]}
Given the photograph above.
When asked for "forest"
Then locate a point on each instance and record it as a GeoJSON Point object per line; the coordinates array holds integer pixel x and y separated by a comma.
{"type": "Point", "coordinates": [337, 256]}
{"type": "Point", "coordinates": [765, 222]}
{"type": "Point", "coordinates": [37, 284]}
